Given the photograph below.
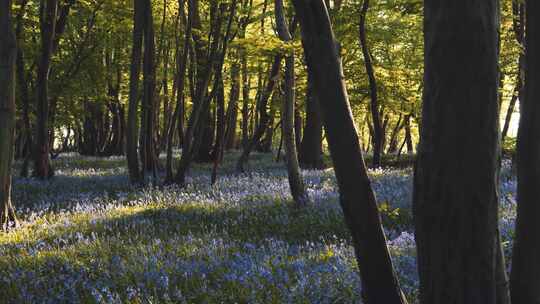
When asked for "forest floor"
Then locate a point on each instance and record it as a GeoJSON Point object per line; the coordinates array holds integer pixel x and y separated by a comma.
{"type": "Point", "coordinates": [88, 236]}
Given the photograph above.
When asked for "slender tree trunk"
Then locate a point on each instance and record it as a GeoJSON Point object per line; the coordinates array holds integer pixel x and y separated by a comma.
{"type": "Point", "coordinates": [220, 129]}
{"type": "Point", "coordinates": [8, 55]}
{"type": "Point", "coordinates": [378, 133]}
{"type": "Point", "coordinates": [42, 168]}
{"type": "Point", "coordinates": [393, 145]}
{"type": "Point", "coordinates": [455, 199]}
{"type": "Point", "coordinates": [265, 144]}
{"type": "Point", "coordinates": [135, 70]}
{"type": "Point", "coordinates": [245, 100]}
{"type": "Point", "coordinates": [264, 119]}
{"type": "Point", "coordinates": [379, 280]}
{"type": "Point", "coordinates": [511, 107]}
{"type": "Point", "coordinates": [297, 125]}
{"type": "Point", "coordinates": [220, 96]}
{"type": "Point", "coordinates": [310, 155]}
{"type": "Point", "coordinates": [232, 108]}
{"type": "Point", "coordinates": [22, 84]}
{"type": "Point", "coordinates": [178, 115]}
{"type": "Point", "coordinates": [296, 182]}
{"type": "Point", "coordinates": [201, 100]}
{"type": "Point", "coordinates": [518, 12]}
{"type": "Point", "coordinates": [148, 129]}
{"type": "Point", "coordinates": [525, 277]}
{"type": "Point", "coordinates": [408, 135]}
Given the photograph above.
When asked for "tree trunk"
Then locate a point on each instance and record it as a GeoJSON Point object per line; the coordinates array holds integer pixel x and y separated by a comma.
{"type": "Point", "coordinates": [297, 125]}
{"type": "Point", "coordinates": [178, 115]}
{"type": "Point", "coordinates": [232, 108]}
{"type": "Point", "coordinates": [510, 111]}
{"type": "Point", "coordinates": [408, 135]}
{"type": "Point", "coordinates": [201, 100]}
{"type": "Point", "coordinates": [519, 30]}
{"type": "Point", "coordinates": [22, 84]}
{"type": "Point", "coordinates": [135, 70]}
{"type": "Point", "coordinates": [42, 167]}
{"type": "Point", "coordinates": [455, 199]}
{"type": "Point", "coordinates": [310, 155]}
{"type": "Point", "coordinates": [262, 104]}
{"type": "Point", "coordinates": [245, 100]}
{"type": "Point", "coordinates": [296, 182]}
{"type": "Point", "coordinates": [378, 133]}
{"type": "Point", "coordinates": [220, 96]}
{"type": "Point", "coordinates": [148, 127]}
{"type": "Point", "coordinates": [379, 281]}
{"type": "Point", "coordinates": [265, 144]}
{"type": "Point", "coordinates": [220, 119]}
{"type": "Point", "coordinates": [525, 277]}
{"type": "Point", "coordinates": [393, 145]}
{"type": "Point", "coordinates": [8, 54]}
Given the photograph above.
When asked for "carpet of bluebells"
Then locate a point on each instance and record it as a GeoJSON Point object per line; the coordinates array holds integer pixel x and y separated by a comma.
{"type": "Point", "coordinates": [87, 236]}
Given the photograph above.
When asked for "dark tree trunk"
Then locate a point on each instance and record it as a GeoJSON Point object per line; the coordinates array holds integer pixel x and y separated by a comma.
{"type": "Point", "coordinates": [135, 70]}
{"type": "Point", "coordinates": [245, 100]}
{"type": "Point", "coordinates": [204, 152]}
{"type": "Point", "coordinates": [378, 132]}
{"type": "Point", "coordinates": [201, 101]}
{"type": "Point", "coordinates": [42, 167]}
{"type": "Point", "coordinates": [220, 96]}
{"type": "Point", "coordinates": [178, 115]}
{"type": "Point", "coordinates": [296, 182]}
{"type": "Point", "coordinates": [297, 125]}
{"type": "Point", "coordinates": [148, 123]}
{"type": "Point", "coordinates": [393, 145]}
{"type": "Point", "coordinates": [90, 137]}
{"type": "Point", "coordinates": [519, 30]}
{"type": "Point", "coordinates": [379, 281]}
{"type": "Point", "coordinates": [455, 199]}
{"type": "Point", "coordinates": [206, 126]}
{"type": "Point", "coordinates": [408, 135]}
{"type": "Point", "coordinates": [310, 155]}
{"type": "Point", "coordinates": [22, 84]}
{"type": "Point", "coordinates": [164, 51]}
{"type": "Point", "coordinates": [265, 144]}
{"type": "Point", "coordinates": [525, 277]}
{"type": "Point", "coordinates": [232, 108]}
{"type": "Point", "coordinates": [220, 119]}
{"type": "Point", "coordinates": [262, 105]}
{"type": "Point", "coordinates": [510, 110]}
{"type": "Point", "coordinates": [8, 55]}
{"type": "Point", "coordinates": [113, 144]}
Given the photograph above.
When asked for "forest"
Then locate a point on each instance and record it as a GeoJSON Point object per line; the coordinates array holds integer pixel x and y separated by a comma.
{"type": "Point", "coordinates": [270, 151]}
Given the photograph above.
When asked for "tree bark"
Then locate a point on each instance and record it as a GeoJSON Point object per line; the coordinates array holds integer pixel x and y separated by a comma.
{"type": "Point", "coordinates": [22, 84]}
{"type": "Point", "coordinates": [135, 70]}
{"type": "Point", "coordinates": [310, 155]}
{"type": "Point", "coordinates": [232, 108]}
{"type": "Point", "coordinates": [220, 95]}
{"type": "Point", "coordinates": [378, 133]}
{"type": "Point", "coordinates": [148, 123]}
{"type": "Point", "coordinates": [393, 144]}
{"type": "Point", "coordinates": [525, 276]}
{"type": "Point", "coordinates": [296, 182]}
{"type": "Point", "coordinates": [455, 200]}
{"type": "Point", "coordinates": [178, 115]}
{"type": "Point", "coordinates": [201, 101]}
{"type": "Point", "coordinates": [408, 135]}
{"type": "Point", "coordinates": [42, 167]}
{"type": "Point", "coordinates": [518, 12]}
{"type": "Point", "coordinates": [262, 104]}
{"type": "Point", "coordinates": [245, 100]}
{"type": "Point", "coordinates": [379, 280]}
{"type": "Point", "coordinates": [8, 55]}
